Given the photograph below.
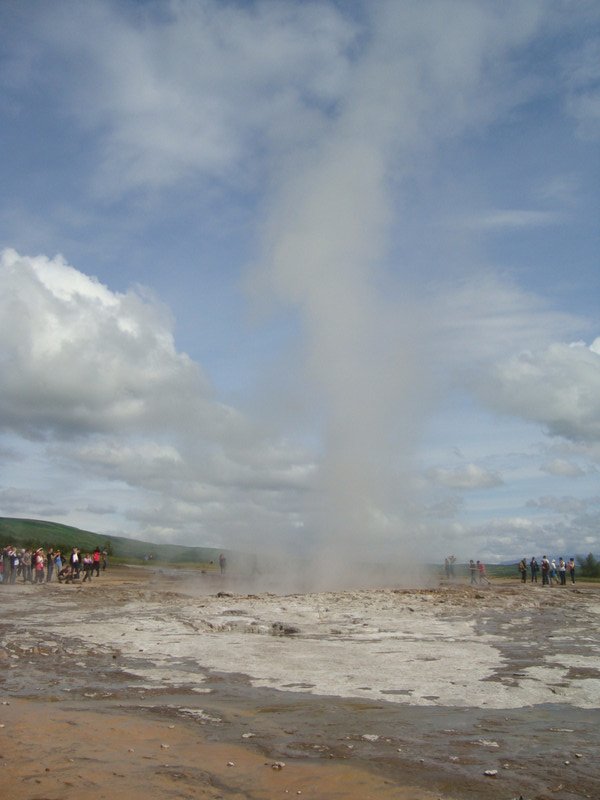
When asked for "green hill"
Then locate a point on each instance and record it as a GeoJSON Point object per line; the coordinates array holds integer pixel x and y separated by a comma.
{"type": "Point", "coordinates": [38, 533]}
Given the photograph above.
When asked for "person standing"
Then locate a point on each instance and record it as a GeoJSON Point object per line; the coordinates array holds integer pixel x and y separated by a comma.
{"type": "Point", "coordinates": [14, 564]}
{"type": "Point", "coordinates": [26, 566]}
{"type": "Point", "coordinates": [545, 571]}
{"type": "Point", "coordinates": [523, 570]}
{"type": "Point", "coordinates": [6, 563]}
{"type": "Point", "coordinates": [75, 562]}
{"type": "Point", "coordinates": [533, 566]}
{"type": "Point", "coordinates": [38, 565]}
{"type": "Point", "coordinates": [571, 569]}
{"type": "Point", "coordinates": [562, 571]}
{"type": "Point", "coordinates": [473, 571]}
{"type": "Point", "coordinates": [49, 564]}
{"type": "Point", "coordinates": [96, 561]}
{"type": "Point", "coordinates": [483, 578]}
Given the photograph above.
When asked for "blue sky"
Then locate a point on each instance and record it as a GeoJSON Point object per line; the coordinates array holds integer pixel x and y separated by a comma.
{"type": "Point", "coordinates": [310, 276]}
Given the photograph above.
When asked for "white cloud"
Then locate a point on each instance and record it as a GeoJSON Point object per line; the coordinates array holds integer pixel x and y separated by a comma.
{"type": "Point", "coordinates": [558, 387]}
{"type": "Point", "coordinates": [469, 476]}
{"type": "Point", "coordinates": [206, 89]}
{"type": "Point", "coordinates": [581, 74]}
{"type": "Point", "coordinates": [502, 219]}
{"type": "Point", "coordinates": [79, 359]}
{"type": "Point", "coordinates": [199, 90]}
{"type": "Point", "coordinates": [563, 468]}
{"type": "Point", "coordinates": [511, 536]}
{"type": "Point", "coordinates": [481, 318]}
{"type": "Point", "coordinates": [139, 463]}
{"type": "Point", "coordinates": [14, 499]}
{"type": "Point", "coordinates": [448, 508]}
{"type": "Point", "coordinates": [563, 189]}
{"type": "Point", "coordinates": [563, 505]}
{"type": "Point", "coordinates": [98, 509]}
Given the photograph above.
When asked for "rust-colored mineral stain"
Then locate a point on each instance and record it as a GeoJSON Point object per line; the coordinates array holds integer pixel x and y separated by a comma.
{"type": "Point", "coordinates": [53, 753]}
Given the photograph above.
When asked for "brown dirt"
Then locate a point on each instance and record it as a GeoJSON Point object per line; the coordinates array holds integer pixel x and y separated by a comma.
{"type": "Point", "coordinates": [53, 753]}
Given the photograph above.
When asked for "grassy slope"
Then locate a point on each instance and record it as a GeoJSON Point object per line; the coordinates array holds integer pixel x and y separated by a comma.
{"type": "Point", "coordinates": [25, 532]}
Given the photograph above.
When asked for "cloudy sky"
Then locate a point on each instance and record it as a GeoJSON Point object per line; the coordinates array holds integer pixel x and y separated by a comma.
{"type": "Point", "coordinates": [310, 275]}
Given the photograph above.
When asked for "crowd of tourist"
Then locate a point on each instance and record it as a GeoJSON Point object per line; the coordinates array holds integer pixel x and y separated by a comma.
{"type": "Point", "coordinates": [551, 571]}
{"type": "Point", "coordinates": [43, 565]}
{"type": "Point", "coordinates": [555, 571]}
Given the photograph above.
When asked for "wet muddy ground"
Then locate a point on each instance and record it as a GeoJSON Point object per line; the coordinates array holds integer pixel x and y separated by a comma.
{"type": "Point", "coordinates": [145, 685]}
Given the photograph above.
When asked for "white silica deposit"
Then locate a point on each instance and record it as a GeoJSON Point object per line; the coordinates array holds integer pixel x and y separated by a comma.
{"type": "Point", "coordinates": [417, 648]}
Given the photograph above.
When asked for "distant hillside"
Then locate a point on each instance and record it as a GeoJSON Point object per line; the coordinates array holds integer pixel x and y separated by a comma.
{"type": "Point", "coordinates": [30, 532]}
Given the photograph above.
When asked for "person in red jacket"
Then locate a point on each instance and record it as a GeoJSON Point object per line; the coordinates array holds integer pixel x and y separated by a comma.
{"type": "Point", "coordinates": [96, 562]}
